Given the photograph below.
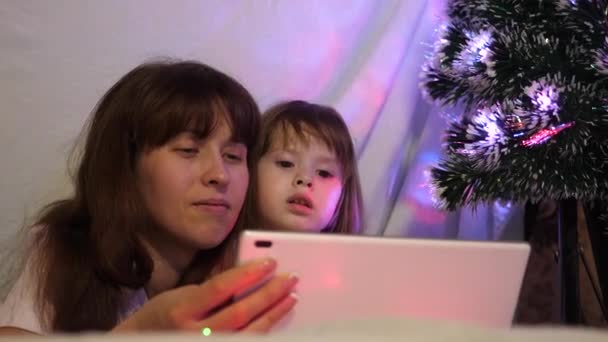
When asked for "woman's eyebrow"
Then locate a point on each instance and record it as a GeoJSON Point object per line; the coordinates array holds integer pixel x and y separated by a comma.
{"type": "Point", "coordinates": [234, 140]}
{"type": "Point", "coordinates": [194, 134]}
{"type": "Point", "coordinates": [232, 143]}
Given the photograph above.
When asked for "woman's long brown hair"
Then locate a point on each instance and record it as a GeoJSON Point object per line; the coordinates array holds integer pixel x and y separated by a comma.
{"type": "Point", "coordinates": [86, 247]}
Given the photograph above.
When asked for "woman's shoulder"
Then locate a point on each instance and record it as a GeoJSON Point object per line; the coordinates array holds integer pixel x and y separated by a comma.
{"type": "Point", "coordinates": [19, 307]}
{"type": "Point", "coordinates": [136, 299]}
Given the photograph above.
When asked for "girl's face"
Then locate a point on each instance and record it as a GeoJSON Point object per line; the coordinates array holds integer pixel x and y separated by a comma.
{"type": "Point", "coordinates": [194, 188]}
{"type": "Point", "coordinates": [299, 185]}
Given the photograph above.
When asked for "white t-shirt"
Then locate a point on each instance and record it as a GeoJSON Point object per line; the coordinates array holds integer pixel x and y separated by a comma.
{"type": "Point", "coordinates": [18, 309]}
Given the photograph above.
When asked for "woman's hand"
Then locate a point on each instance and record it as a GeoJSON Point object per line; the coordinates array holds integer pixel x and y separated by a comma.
{"type": "Point", "coordinates": [195, 307]}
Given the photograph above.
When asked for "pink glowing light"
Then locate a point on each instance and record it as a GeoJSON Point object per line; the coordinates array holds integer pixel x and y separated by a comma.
{"type": "Point", "coordinates": [545, 134]}
{"type": "Point", "coordinates": [332, 280]}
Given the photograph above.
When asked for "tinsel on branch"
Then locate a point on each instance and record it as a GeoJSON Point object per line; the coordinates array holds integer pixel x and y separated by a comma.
{"type": "Point", "coordinates": [530, 79]}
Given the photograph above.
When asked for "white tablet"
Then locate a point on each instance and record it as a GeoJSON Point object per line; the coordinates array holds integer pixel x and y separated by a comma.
{"type": "Point", "coordinates": [346, 277]}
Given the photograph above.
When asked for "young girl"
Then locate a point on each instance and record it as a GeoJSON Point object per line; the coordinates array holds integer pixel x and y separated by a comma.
{"type": "Point", "coordinates": [158, 191]}
{"type": "Point", "coordinates": [305, 174]}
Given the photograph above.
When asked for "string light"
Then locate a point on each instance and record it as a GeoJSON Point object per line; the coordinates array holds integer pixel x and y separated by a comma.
{"type": "Point", "coordinates": [544, 135]}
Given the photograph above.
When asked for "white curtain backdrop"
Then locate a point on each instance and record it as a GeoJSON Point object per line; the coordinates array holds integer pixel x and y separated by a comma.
{"type": "Point", "coordinates": [361, 56]}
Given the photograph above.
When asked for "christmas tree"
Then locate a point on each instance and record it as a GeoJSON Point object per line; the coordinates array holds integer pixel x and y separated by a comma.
{"type": "Point", "coordinates": [531, 80]}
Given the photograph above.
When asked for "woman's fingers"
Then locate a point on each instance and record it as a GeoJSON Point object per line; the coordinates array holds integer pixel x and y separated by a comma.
{"type": "Point", "coordinates": [256, 305]}
{"type": "Point", "coordinates": [265, 322]}
{"type": "Point", "coordinates": [219, 289]}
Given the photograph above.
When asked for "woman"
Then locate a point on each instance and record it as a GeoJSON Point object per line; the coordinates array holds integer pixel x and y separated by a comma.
{"type": "Point", "coordinates": [157, 200]}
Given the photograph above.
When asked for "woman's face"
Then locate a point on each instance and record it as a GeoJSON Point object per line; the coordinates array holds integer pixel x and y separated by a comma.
{"type": "Point", "coordinates": [194, 188]}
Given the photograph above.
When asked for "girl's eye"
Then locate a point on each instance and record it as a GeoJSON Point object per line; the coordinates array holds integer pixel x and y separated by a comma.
{"type": "Point", "coordinates": [284, 163]}
{"type": "Point", "coordinates": [324, 174]}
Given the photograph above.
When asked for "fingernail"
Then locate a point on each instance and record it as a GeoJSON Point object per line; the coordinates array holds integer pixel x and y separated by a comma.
{"type": "Point", "coordinates": [267, 264]}
{"type": "Point", "coordinates": [293, 277]}
{"type": "Point", "coordinates": [294, 296]}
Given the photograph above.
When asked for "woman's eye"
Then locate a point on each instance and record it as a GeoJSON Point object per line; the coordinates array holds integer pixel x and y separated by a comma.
{"type": "Point", "coordinates": [188, 152]}
{"type": "Point", "coordinates": [325, 174]}
{"type": "Point", "coordinates": [233, 156]}
{"type": "Point", "coordinates": [284, 163]}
